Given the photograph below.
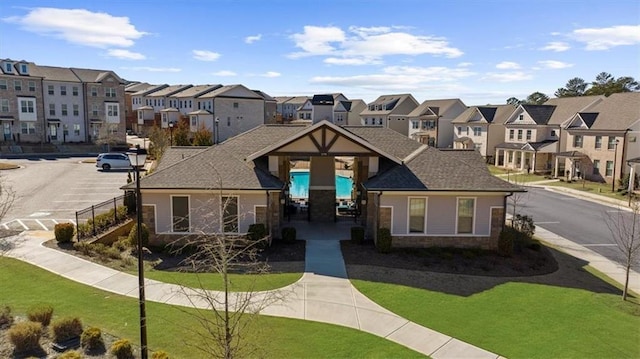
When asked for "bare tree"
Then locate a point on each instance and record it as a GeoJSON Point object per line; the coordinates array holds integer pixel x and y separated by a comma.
{"type": "Point", "coordinates": [219, 248]}
{"type": "Point", "coordinates": [108, 135]}
{"type": "Point", "coordinates": [625, 230]}
{"type": "Point", "coordinates": [7, 198]}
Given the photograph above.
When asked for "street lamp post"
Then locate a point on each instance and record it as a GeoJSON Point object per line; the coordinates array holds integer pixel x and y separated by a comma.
{"type": "Point", "coordinates": [170, 134]}
{"type": "Point", "coordinates": [217, 135]}
{"type": "Point", "coordinates": [615, 157]}
{"type": "Point", "coordinates": [137, 158]}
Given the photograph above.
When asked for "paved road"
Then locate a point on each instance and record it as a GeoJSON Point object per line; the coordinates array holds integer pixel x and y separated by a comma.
{"type": "Point", "coordinates": [52, 190]}
{"type": "Point", "coordinates": [581, 221]}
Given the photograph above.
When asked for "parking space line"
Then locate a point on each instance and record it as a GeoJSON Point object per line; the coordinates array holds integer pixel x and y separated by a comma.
{"type": "Point", "coordinates": [22, 224]}
{"type": "Point", "coordinates": [42, 225]}
{"type": "Point", "coordinates": [54, 221]}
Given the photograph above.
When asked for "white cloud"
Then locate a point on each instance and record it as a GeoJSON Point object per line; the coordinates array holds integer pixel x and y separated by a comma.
{"type": "Point", "coordinates": [367, 45]}
{"type": "Point", "coordinates": [204, 55]}
{"type": "Point", "coordinates": [79, 26]}
{"type": "Point", "coordinates": [608, 37]}
{"type": "Point", "coordinates": [125, 54]}
{"type": "Point", "coordinates": [224, 73]}
{"type": "Point", "coordinates": [557, 46]}
{"type": "Point", "coordinates": [271, 74]}
{"type": "Point", "coordinates": [552, 64]}
{"type": "Point", "coordinates": [507, 65]}
{"type": "Point", "coordinates": [252, 39]}
{"type": "Point", "coordinates": [507, 76]}
{"type": "Point", "coordinates": [152, 69]}
{"type": "Point", "coordinates": [465, 64]}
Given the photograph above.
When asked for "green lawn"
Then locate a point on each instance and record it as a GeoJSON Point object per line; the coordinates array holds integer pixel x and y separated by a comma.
{"type": "Point", "coordinates": [521, 320]}
{"type": "Point", "coordinates": [602, 189]}
{"type": "Point", "coordinates": [497, 170]}
{"type": "Point", "coordinates": [23, 285]}
{"type": "Point", "coordinates": [519, 178]}
{"type": "Point", "coordinates": [213, 281]}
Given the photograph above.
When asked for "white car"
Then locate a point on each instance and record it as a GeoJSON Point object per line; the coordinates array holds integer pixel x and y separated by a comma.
{"type": "Point", "coordinates": [108, 161]}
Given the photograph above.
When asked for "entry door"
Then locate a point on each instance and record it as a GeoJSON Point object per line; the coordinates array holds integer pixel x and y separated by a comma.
{"type": "Point", "coordinates": [53, 131]}
{"type": "Point", "coordinates": [7, 131]}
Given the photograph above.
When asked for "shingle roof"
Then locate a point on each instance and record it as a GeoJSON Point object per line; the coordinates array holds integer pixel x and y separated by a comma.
{"type": "Point", "coordinates": [435, 170]}
{"type": "Point", "coordinates": [221, 91]}
{"type": "Point", "coordinates": [150, 89]}
{"type": "Point", "coordinates": [386, 140]}
{"type": "Point", "coordinates": [322, 100]}
{"type": "Point", "coordinates": [388, 102]}
{"type": "Point", "coordinates": [566, 107]}
{"type": "Point", "coordinates": [437, 106]}
{"type": "Point", "coordinates": [169, 90]}
{"type": "Point", "coordinates": [54, 73]}
{"type": "Point", "coordinates": [89, 75]}
{"type": "Point", "coordinates": [195, 91]}
{"type": "Point", "coordinates": [539, 113]}
{"type": "Point", "coordinates": [173, 155]}
{"type": "Point", "coordinates": [617, 112]}
{"type": "Point", "coordinates": [588, 118]}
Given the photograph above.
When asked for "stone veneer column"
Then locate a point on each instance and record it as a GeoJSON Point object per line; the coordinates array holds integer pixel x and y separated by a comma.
{"type": "Point", "coordinates": [322, 189]}
{"type": "Point", "coordinates": [275, 214]}
{"type": "Point", "coordinates": [371, 215]}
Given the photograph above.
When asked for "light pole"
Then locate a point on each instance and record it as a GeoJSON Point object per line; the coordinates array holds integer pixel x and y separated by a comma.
{"type": "Point", "coordinates": [170, 133]}
{"type": "Point", "coordinates": [137, 158]}
{"type": "Point", "coordinates": [615, 157]}
{"type": "Point", "coordinates": [217, 135]}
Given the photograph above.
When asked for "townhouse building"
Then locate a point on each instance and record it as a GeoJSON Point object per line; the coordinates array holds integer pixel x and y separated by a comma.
{"type": "Point", "coordinates": [185, 99]}
{"type": "Point", "coordinates": [601, 139]}
{"type": "Point", "coordinates": [353, 109]}
{"type": "Point", "coordinates": [270, 107]}
{"type": "Point", "coordinates": [431, 122]}
{"type": "Point", "coordinates": [287, 108]}
{"type": "Point", "coordinates": [391, 111]}
{"type": "Point", "coordinates": [481, 128]}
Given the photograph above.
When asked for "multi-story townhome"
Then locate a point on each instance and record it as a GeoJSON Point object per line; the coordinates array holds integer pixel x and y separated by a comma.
{"type": "Point", "coordinates": [139, 98]}
{"type": "Point", "coordinates": [481, 128]}
{"type": "Point", "coordinates": [533, 133]}
{"type": "Point", "coordinates": [185, 100]}
{"type": "Point", "coordinates": [104, 105]}
{"type": "Point", "coordinates": [390, 111]}
{"type": "Point", "coordinates": [431, 122]}
{"type": "Point", "coordinates": [228, 111]}
{"type": "Point", "coordinates": [287, 107]}
{"type": "Point", "coordinates": [21, 104]}
{"type": "Point", "coordinates": [160, 99]}
{"type": "Point", "coordinates": [129, 90]}
{"type": "Point", "coordinates": [270, 107]}
{"type": "Point", "coordinates": [601, 139]}
{"type": "Point", "coordinates": [353, 109]}
{"type": "Point", "coordinates": [64, 104]}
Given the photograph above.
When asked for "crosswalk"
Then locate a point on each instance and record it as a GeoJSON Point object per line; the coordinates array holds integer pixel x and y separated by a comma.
{"type": "Point", "coordinates": [31, 224]}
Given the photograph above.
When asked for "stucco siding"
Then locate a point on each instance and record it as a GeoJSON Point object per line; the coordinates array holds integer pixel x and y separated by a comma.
{"type": "Point", "coordinates": [441, 215]}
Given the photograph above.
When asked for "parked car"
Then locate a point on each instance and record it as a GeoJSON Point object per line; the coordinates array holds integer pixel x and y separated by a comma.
{"type": "Point", "coordinates": [108, 161]}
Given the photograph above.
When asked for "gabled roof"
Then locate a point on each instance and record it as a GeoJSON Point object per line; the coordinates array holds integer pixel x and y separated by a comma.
{"type": "Point", "coordinates": [168, 91]}
{"type": "Point", "coordinates": [236, 91]}
{"type": "Point", "coordinates": [581, 119]}
{"type": "Point", "coordinates": [265, 96]}
{"type": "Point", "coordinates": [497, 114]}
{"type": "Point", "coordinates": [89, 75]}
{"type": "Point", "coordinates": [297, 100]}
{"type": "Point", "coordinates": [194, 91]}
{"type": "Point", "coordinates": [617, 112]}
{"type": "Point", "coordinates": [436, 106]}
{"type": "Point", "coordinates": [539, 113]}
{"type": "Point", "coordinates": [53, 73]}
{"type": "Point", "coordinates": [170, 109]}
{"type": "Point", "coordinates": [150, 89]}
{"type": "Point", "coordinates": [488, 113]}
{"type": "Point", "coordinates": [134, 87]}
{"type": "Point", "coordinates": [200, 112]}
{"type": "Point", "coordinates": [566, 107]}
{"type": "Point", "coordinates": [387, 140]}
{"type": "Point", "coordinates": [385, 104]}
{"type": "Point", "coordinates": [282, 99]}
{"type": "Point", "coordinates": [436, 170]}
{"type": "Point", "coordinates": [175, 154]}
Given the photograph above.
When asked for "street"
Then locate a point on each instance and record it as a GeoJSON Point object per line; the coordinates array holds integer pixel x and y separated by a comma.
{"type": "Point", "coordinates": [578, 220]}
{"type": "Point", "coordinates": [49, 191]}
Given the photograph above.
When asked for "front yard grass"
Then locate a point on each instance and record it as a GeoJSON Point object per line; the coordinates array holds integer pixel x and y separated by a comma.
{"type": "Point", "coordinates": [23, 285]}
{"type": "Point", "coordinates": [522, 320]}
{"type": "Point", "coordinates": [602, 189]}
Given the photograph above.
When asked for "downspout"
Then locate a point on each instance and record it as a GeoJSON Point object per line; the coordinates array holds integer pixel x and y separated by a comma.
{"type": "Point", "coordinates": [504, 214]}
{"type": "Point", "coordinates": [622, 156]}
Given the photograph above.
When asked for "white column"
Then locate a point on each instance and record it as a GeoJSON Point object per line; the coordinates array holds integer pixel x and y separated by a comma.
{"type": "Point", "coordinates": [522, 153]}
{"type": "Point", "coordinates": [631, 179]}
{"type": "Point", "coordinates": [555, 169]}
{"type": "Point", "coordinates": [533, 163]}
{"type": "Point", "coordinates": [495, 160]}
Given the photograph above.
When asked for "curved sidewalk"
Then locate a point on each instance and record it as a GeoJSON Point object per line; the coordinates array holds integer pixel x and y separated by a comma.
{"type": "Point", "coordinates": [323, 294]}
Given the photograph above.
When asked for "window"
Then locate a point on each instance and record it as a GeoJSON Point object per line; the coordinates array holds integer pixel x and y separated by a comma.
{"type": "Point", "coordinates": [94, 91]}
{"type": "Point", "coordinates": [459, 130]}
{"type": "Point", "coordinates": [577, 141]}
{"type": "Point", "coordinates": [380, 121]}
{"type": "Point", "coordinates": [74, 90]}
{"type": "Point", "coordinates": [23, 68]}
{"type": "Point", "coordinates": [8, 67]}
{"type": "Point", "coordinates": [64, 110]}
{"type": "Point", "coordinates": [511, 134]}
{"type": "Point", "coordinates": [466, 207]}
{"type": "Point", "coordinates": [519, 135]}
{"type": "Point", "coordinates": [467, 130]}
{"type": "Point", "coordinates": [553, 133]}
{"type": "Point", "coordinates": [417, 208]}
{"type": "Point", "coordinates": [431, 124]}
{"type": "Point", "coordinates": [95, 110]}
{"type": "Point", "coordinates": [596, 167]}
{"type": "Point", "coordinates": [4, 105]}
{"type": "Point", "coordinates": [3, 84]}
{"type": "Point", "coordinates": [17, 85]}
{"type": "Point", "coordinates": [528, 135]}
{"type": "Point", "coordinates": [50, 90]}
{"type": "Point", "coordinates": [110, 92]}
{"type": "Point", "coordinates": [76, 129]}
{"type": "Point", "coordinates": [521, 118]}
{"type": "Point", "coordinates": [415, 125]}
{"type": "Point", "coordinates": [228, 121]}
{"type": "Point", "coordinates": [612, 143]}
{"type": "Point", "coordinates": [112, 109]}
{"type": "Point", "coordinates": [609, 169]}
{"type": "Point", "coordinates": [194, 121]}
{"type": "Point", "coordinates": [32, 86]}
{"type": "Point", "coordinates": [76, 110]}
{"type": "Point", "coordinates": [28, 128]}
{"type": "Point", "coordinates": [180, 213]}
{"type": "Point", "coordinates": [598, 142]}
{"type": "Point", "coordinates": [235, 105]}
{"type": "Point", "coordinates": [63, 90]}
{"type": "Point", "coordinates": [230, 214]}
{"type": "Point", "coordinates": [52, 109]}
{"type": "Point", "coordinates": [301, 116]}
{"type": "Point", "coordinates": [477, 131]}
{"type": "Point", "coordinates": [27, 106]}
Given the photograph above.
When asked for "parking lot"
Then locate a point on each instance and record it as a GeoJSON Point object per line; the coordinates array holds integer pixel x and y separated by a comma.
{"type": "Point", "coordinates": [50, 191]}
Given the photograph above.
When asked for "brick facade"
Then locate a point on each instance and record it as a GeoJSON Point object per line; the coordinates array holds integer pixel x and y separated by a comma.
{"type": "Point", "coordinates": [322, 205]}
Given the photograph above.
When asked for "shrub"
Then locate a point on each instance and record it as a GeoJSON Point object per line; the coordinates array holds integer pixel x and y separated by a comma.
{"type": "Point", "coordinates": [6, 318]}
{"type": "Point", "coordinates": [505, 241]}
{"type": "Point", "coordinates": [524, 224]}
{"type": "Point", "coordinates": [66, 328]}
{"type": "Point", "coordinates": [84, 230]}
{"type": "Point", "coordinates": [121, 244]}
{"type": "Point", "coordinates": [383, 243]}
{"type": "Point", "coordinates": [257, 231]}
{"type": "Point", "coordinates": [122, 349]}
{"type": "Point", "coordinates": [289, 234]}
{"type": "Point", "coordinates": [41, 314]}
{"type": "Point", "coordinates": [71, 354]}
{"type": "Point", "coordinates": [83, 247]}
{"type": "Point", "coordinates": [357, 235]}
{"type": "Point", "coordinates": [130, 198]}
{"type": "Point", "coordinates": [64, 232]}
{"type": "Point", "coordinates": [91, 339]}
{"type": "Point", "coordinates": [160, 354]}
{"type": "Point", "coordinates": [133, 235]}
{"type": "Point", "coordinates": [25, 336]}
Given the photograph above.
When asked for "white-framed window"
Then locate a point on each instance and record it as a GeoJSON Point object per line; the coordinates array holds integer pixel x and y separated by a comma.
{"type": "Point", "coordinates": [76, 129]}
{"type": "Point", "coordinates": [520, 117]}
{"type": "Point", "coordinates": [109, 92]}
{"type": "Point", "coordinates": [180, 219]}
{"type": "Point", "coordinates": [417, 214]}
{"type": "Point", "coordinates": [609, 169]}
{"type": "Point", "coordinates": [4, 105]}
{"type": "Point", "coordinates": [140, 115]}
{"type": "Point", "coordinates": [596, 167]}
{"type": "Point", "coordinates": [17, 85]}
{"type": "Point", "coordinates": [415, 125]}
{"type": "Point", "coordinates": [477, 131]}
{"type": "Point", "coordinates": [74, 90]}
{"type": "Point", "coordinates": [528, 135]}
{"type": "Point", "coordinates": [94, 91]}
{"type": "Point", "coordinates": [23, 68]}
{"type": "Point", "coordinates": [8, 67]}
{"type": "Point", "coordinates": [577, 141]}
{"type": "Point", "coordinates": [76, 110]}
{"type": "Point", "coordinates": [95, 110]}
{"type": "Point", "coordinates": [598, 144]}
{"type": "Point", "coordinates": [511, 134]}
{"type": "Point", "coordinates": [466, 210]}
{"type": "Point", "coordinates": [236, 105]}
{"type": "Point", "coordinates": [3, 84]}
{"type": "Point", "coordinates": [519, 135]}
{"type": "Point", "coordinates": [28, 128]}
{"type": "Point", "coordinates": [611, 144]}
{"type": "Point", "coordinates": [112, 109]}
{"type": "Point", "coordinates": [52, 109]}
{"type": "Point", "coordinates": [64, 109]}
{"type": "Point", "coordinates": [50, 90]}
{"type": "Point", "coordinates": [32, 86]}
{"type": "Point", "coordinates": [27, 106]}
{"type": "Point", "coordinates": [230, 211]}
{"type": "Point", "coordinates": [380, 121]}
{"type": "Point", "coordinates": [63, 90]}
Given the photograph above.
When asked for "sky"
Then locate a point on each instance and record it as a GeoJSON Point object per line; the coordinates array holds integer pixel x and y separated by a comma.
{"type": "Point", "coordinates": [482, 52]}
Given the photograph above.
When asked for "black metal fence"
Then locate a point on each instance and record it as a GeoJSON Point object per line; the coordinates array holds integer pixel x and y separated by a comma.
{"type": "Point", "coordinates": [95, 219]}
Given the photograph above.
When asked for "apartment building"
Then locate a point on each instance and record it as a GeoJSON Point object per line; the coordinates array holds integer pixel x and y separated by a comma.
{"type": "Point", "coordinates": [390, 111]}
{"type": "Point", "coordinates": [21, 103]}
{"type": "Point", "coordinates": [481, 128]}
{"type": "Point", "coordinates": [431, 122]}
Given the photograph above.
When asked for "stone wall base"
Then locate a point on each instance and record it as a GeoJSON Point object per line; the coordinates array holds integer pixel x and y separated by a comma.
{"type": "Point", "coordinates": [434, 241]}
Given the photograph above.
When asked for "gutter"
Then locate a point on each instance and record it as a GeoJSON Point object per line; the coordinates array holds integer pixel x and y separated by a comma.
{"type": "Point", "coordinates": [504, 214]}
